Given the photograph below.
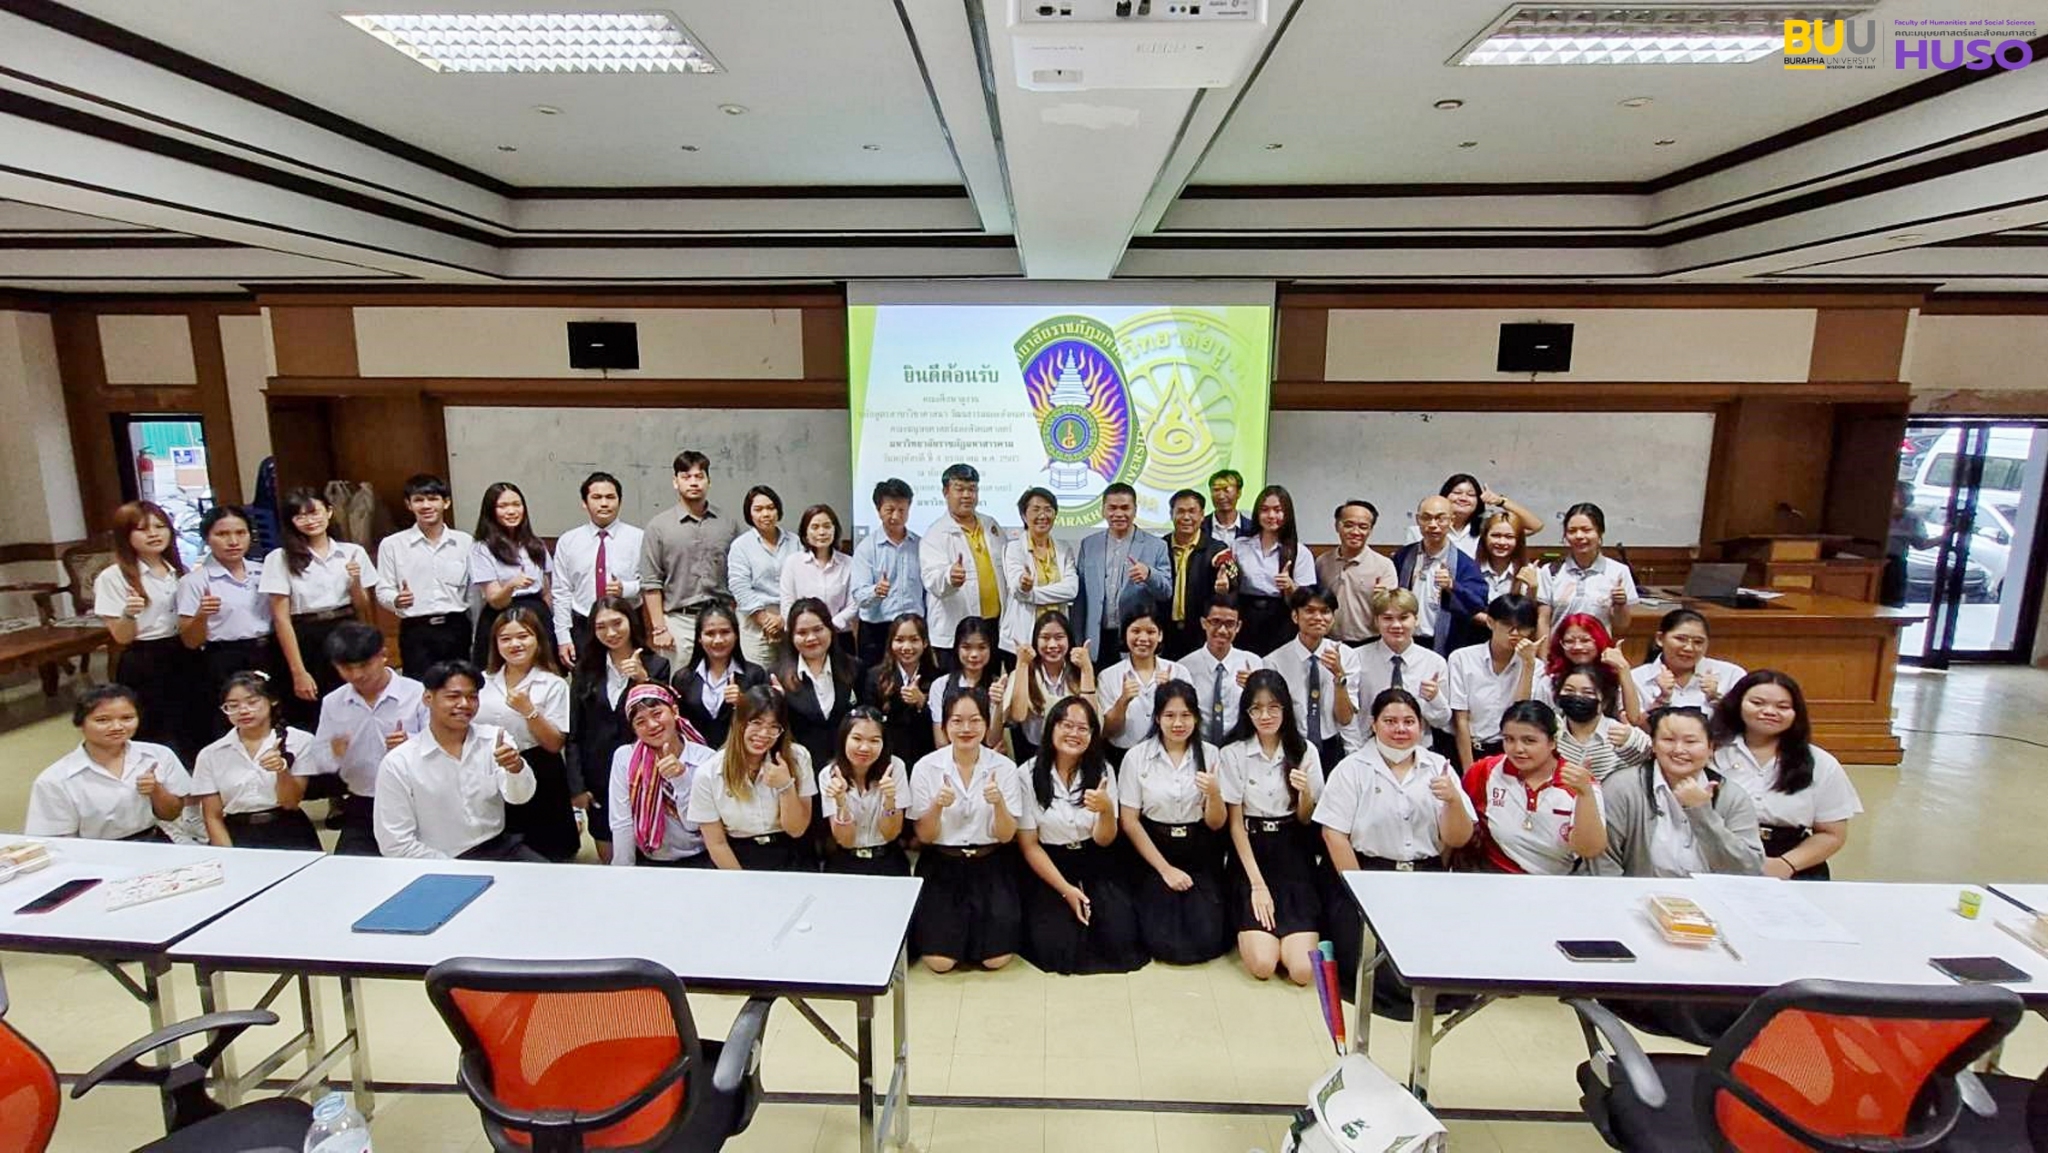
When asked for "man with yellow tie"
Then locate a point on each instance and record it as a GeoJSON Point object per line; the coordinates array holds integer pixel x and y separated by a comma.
{"type": "Point", "coordinates": [960, 560]}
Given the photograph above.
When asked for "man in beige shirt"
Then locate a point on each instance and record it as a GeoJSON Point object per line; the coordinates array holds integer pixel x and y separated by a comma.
{"type": "Point", "coordinates": [1352, 571]}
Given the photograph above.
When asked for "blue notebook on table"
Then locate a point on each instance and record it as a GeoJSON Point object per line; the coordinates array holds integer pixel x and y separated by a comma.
{"type": "Point", "coordinates": [425, 905]}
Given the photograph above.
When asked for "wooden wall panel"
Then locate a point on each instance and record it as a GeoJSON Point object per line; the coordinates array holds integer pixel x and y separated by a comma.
{"type": "Point", "coordinates": [1863, 470]}
{"type": "Point", "coordinates": [300, 442]}
{"type": "Point", "coordinates": [824, 343]}
{"type": "Point", "coordinates": [1770, 469]}
{"type": "Point", "coordinates": [314, 341]}
{"type": "Point", "coordinates": [209, 360]}
{"type": "Point", "coordinates": [83, 369]}
{"type": "Point", "coordinates": [1301, 344]}
{"type": "Point", "coordinates": [384, 440]}
{"type": "Point", "coordinates": [1858, 344]}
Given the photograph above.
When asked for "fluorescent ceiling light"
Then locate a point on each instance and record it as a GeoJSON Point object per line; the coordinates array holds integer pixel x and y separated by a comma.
{"type": "Point", "coordinates": [1641, 33]}
{"type": "Point", "coordinates": [543, 41]}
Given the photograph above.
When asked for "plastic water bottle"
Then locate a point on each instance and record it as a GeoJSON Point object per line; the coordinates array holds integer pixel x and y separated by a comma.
{"type": "Point", "coordinates": [337, 1127]}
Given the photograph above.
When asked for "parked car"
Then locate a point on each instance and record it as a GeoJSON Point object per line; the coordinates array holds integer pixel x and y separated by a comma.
{"type": "Point", "coordinates": [1991, 536]}
{"type": "Point", "coordinates": [2006, 453]}
{"type": "Point", "coordinates": [1911, 449]}
{"type": "Point", "coordinates": [1920, 566]}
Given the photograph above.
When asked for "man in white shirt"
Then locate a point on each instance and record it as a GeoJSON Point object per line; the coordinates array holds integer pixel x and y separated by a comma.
{"type": "Point", "coordinates": [1218, 669]}
{"type": "Point", "coordinates": [1486, 679]}
{"type": "Point", "coordinates": [1396, 661]}
{"type": "Point", "coordinates": [598, 559]}
{"type": "Point", "coordinates": [373, 712]}
{"type": "Point", "coordinates": [960, 560]}
{"type": "Point", "coordinates": [423, 577]}
{"type": "Point", "coordinates": [1321, 675]}
{"type": "Point", "coordinates": [443, 793]}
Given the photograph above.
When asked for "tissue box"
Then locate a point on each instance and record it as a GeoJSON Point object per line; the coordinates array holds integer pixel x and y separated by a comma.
{"type": "Point", "coordinates": [1356, 1108]}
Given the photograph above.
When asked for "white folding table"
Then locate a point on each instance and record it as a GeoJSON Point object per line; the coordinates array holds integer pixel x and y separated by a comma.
{"type": "Point", "coordinates": [2031, 897]}
{"type": "Point", "coordinates": [140, 934]}
{"type": "Point", "coordinates": [1496, 936]}
{"type": "Point", "coordinates": [794, 935]}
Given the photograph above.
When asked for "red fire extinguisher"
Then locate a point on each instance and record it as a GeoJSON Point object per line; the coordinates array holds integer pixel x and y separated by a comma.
{"type": "Point", "coordinates": [145, 476]}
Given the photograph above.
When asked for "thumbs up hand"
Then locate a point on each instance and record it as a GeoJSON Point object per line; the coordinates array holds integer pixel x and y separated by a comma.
{"type": "Point", "coordinates": [209, 604]}
{"type": "Point", "coordinates": [1443, 578]}
{"type": "Point", "coordinates": [945, 796]}
{"type": "Point", "coordinates": [507, 756]}
{"type": "Point", "coordinates": [958, 575]}
{"type": "Point", "coordinates": [775, 772]}
{"type": "Point", "coordinates": [404, 598]}
{"type": "Point", "coordinates": [392, 739]}
{"type": "Point", "coordinates": [272, 760]}
{"type": "Point", "coordinates": [1432, 686]}
{"type": "Point", "coordinates": [1096, 800]}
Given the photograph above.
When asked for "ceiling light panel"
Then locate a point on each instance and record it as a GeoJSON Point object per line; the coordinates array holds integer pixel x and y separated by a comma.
{"type": "Point", "coordinates": [1641, 33]}
{"type": "Point", "coordinates": [543, 42]}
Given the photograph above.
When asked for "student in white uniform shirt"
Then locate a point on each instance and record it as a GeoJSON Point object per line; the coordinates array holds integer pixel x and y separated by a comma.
{"type": "Point", "coordinates": [1038, 572]}
{"type": "Point", "coordinates": [111, 787]}
{"type": "Point", "coordinates": [1050, 666]}
{"type": "Point", "coordinates": [594, 561]}
{"type": "Point", "coordinates": [1580, 640]}
{"type": "Point", "coordinates": [223, 614]}
{"type": "Point", "coordinates": [1677, 816]}
{"type": "Point", "coordinates": [1393, 805]}
{"type": "Point", "coordinates": [423, 578]}
{"type": "Point", "coordinates": [1272, 777]}
{"type": "Point", "coordinates": [1535, 812]}
{"type": "Point", "coordinates": [1219, 669]}
{"type": "Point", "coordinates": [1170, 802]}
{"type": "Point", "coordinates": [1585, 581]}
{"type": "Point", "coordinates": [1504, 561]}
{"type": "Point", "coordinates": [1586, 699]}
{"type": "Point", "coordinates": [1803, 798]}
{"type": "Point", "coordinates": [1485, 679]}
{"type": "Point", "coordinates": [1078, 913]}
{"type": "Point", "coordinates": [315, 584]}
{"type": "Point", "coordinates": [137, 597]}
{"type": "Point", "coordinates": [1272, 563]}
{"type": "Point", "coordinates": [865, 789]}
{"type": "Point", "coordinates": [1679, 673]}
{"type": "Point", "coordinates": [974, 666]}
{"type": "Point", "coordinates": [443, 793]}
{"type": "Point", "coordinates": [753, 802]}
{"type": "Point", "coordinates": [753, 566]}
{"type": "Point", "coordinates": [965, 798]}
{"type": "Point", "coordinates": [615, 657]}
{"type": "Point", "coordinates": [247, 783]}
{"type": "Point", "coordinates": [509, 567]}
{"type": "Point", "coordinates": [525, 695]}
{"type": "Point", "coordinates": [651, 776]}
{"type": "Point", "coordinates": [373, 712]}
{"type": "Point", "coordinates": [1322, 675]}
{"type": "Point", "coordinates": [1124, 692]}
{"type": "Point", "coordinates": [1395, 661]}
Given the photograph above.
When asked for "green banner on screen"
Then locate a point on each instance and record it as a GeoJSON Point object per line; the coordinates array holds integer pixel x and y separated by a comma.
{"type": "Point", "coordinates": [1069, 399]}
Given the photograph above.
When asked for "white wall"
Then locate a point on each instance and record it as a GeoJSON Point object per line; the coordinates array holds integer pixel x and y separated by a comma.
{"type": "Point", "coordinates": [1972, 353]}
{"type": "Point", "coordinates": [245, 345]}
{"type": "Point", "coordinates": [38, 485]}
{"type": "Point", "coordinates": [1608, 344]}
{"type": "Point", "coordinates": [148, 350]}
{"type": "Point", "coordinates": [675, 343]}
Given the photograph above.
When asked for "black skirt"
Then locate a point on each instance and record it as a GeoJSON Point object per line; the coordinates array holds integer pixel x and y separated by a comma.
{"type": "Point", "coordinates": [880, 861]}
{"type": "Point", "coordinates": [1286, 853]}
{"type": "Point", "coordinates": [1190, 927]}
{"type": "Point", "coordinates": [969, 909]}
{"type": "Point", "coordinates": [486, 616]}
{"type": "Point", "coordinates": [778, 852]}
{"type": "Point", "coordinates": [312, 631]}
{"type": "Point", "coordinates": [547, 822]}
{"type": "Point", "coordinates": [1055, 941]}
{"type": "Point", "coordinates": [160, 673]}
{"type": "Point", "coordinates": [273, 829]}
{"type": "Point", "coordinates": [1781, 839]}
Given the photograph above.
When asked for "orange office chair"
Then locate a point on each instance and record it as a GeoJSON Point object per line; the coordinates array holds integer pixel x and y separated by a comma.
{"type": "Point", "coordinates": [566, 1056]}
{"type": "Point", "coordinates": [28, 1091]}
{"type": "Point", "coordinates": [1813, 1065]}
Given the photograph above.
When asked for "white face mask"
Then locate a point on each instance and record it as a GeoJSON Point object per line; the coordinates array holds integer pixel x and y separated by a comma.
{"type": "Point", "coordinates": [1392, 755]}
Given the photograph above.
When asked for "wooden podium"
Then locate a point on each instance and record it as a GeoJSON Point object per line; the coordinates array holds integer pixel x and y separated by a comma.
{"type": "Point", "coordinates": [1807, 563]}
{"type": "Point", "coordinates": [1844, 653]}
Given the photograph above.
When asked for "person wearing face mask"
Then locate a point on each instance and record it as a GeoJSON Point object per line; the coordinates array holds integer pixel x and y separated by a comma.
{"type": "Point", "coordinates": [1678, 817]}
{"type": "Point", "coordinates": [1394, 805]}
{"type": "Point", "coordinates": [1038, 572]}
{"type": "Point", "coordinates": [1352, 572]}
{"type": "Point", "coordinates": [1592, 735]}
{"type": "Point", "coordinates": [1120, 569]}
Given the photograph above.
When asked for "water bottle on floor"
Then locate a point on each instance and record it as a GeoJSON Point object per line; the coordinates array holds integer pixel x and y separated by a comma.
{"type": "Point", "coordinates": [337, 1127]}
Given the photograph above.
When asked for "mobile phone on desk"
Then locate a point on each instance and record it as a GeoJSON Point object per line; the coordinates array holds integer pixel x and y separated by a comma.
{"type": "Point", "coordinates": [1609, 951]}
{"type": "Point", "coordinates": [1980, 970]}
{"type": "Point", "coordinates": [59, 895]}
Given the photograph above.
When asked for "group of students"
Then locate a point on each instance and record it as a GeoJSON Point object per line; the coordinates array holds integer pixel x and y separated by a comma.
{"type": "Point", "coordinates": [1101, 754]}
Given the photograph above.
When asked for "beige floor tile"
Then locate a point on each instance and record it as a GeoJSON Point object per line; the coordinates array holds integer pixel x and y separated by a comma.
{"type": "Point", "coordinates": [1080, 1073]}
{"type": "Point", "coordinates": [996, 1075]}
{"type": "Point", "coordinates": [1075, 1130]}
{"type": "Point", "coordinates": [993, 1130]}
{"type": "Point", "coordinates": [781, 1128]}
{"type": "Point", "coordinates": [1213, 1133]}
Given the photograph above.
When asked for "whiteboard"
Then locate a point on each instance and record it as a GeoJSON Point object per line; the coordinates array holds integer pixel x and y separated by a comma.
{"type": "Point", "coordinates": [1646, 470]}
{"type": "Point", "coordinates": [801, 453]}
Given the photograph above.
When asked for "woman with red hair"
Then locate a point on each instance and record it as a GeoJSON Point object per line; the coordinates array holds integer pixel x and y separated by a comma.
{"type": "Point", "coordinates": [1580, 639]}
{"type": "Point", "coordinates": [136, 596]}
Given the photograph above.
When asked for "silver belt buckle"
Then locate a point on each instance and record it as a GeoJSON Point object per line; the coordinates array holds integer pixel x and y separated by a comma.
{"type": "Point", "coordinates": [1404, 866]}
{"type": "Point", "coordinates": [765, 839]}
{"type": "Point", "coordinates": [1266, 826]}
{"type": "Point", "coordinates": [1177, 831]}
{"type": "Point", "coordinates": [866, 854]}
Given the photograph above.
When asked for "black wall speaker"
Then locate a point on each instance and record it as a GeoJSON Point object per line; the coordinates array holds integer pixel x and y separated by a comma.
{"type": "Point", "coordinates": [604, 344]}
{"type": "Point", "coordinates": [1535, 348]}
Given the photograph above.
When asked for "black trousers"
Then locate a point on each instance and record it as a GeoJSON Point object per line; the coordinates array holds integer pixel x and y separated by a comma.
{"type": "Point", "coordinates": [358, 828]}
{"type": "Point", "coordinates": [424, 642]}
{"type": "Point", "coordinates": [1182, 638]}
{"type": "Point", "coordinates": [873, 646]}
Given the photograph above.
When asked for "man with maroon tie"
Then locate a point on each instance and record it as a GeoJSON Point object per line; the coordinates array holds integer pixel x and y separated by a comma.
{"type": "Point", "coordinates": [593, 561]}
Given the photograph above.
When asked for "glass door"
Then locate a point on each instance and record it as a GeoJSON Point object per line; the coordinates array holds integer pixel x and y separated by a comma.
{"type": "Point", "coordinates": [1966, 522]}
{"type": "Point", "coordinates": [164, 460]}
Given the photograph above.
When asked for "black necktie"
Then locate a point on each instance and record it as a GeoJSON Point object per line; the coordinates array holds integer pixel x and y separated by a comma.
{"type": "Point", "coordinates": [1395, 683]}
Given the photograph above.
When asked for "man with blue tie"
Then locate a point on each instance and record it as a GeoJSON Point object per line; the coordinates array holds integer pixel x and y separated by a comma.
{"type": "Point", "coordinates": [1119, 567]}
{"type": "Point", "coordinates": [1448, 586]}
{"type": "Point", "coordinates": [1322, 675]}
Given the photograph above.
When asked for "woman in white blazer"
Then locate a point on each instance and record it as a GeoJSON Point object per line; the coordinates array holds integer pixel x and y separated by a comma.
{"type": "Point", "coordinates": [1038, 571]}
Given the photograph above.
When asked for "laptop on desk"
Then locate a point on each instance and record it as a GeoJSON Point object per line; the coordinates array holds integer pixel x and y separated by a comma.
{"type": "Point", "coordinates": [1721, 584]}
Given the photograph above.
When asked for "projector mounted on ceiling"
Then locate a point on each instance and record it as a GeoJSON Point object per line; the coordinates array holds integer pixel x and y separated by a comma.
{"type": "Point", "coordinates": [1076, 45]}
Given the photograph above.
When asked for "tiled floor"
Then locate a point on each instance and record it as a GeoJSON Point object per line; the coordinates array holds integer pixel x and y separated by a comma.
{"type": "Point", "coordinates": [1197, 1044]}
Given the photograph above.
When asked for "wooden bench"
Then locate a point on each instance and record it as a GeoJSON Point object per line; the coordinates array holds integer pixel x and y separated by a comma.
{"type": "Point", "coordinates": [48, 648]}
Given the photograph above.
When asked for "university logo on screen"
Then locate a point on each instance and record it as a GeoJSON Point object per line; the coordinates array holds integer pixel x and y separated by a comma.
{"type": "Point", "coordinates": [1917, 45]}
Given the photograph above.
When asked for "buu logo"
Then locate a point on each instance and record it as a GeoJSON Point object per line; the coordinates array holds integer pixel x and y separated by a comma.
{"type": "Point", "coordinates": [1811, 44]}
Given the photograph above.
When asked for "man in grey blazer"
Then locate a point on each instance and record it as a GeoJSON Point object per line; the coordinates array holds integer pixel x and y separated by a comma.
{"type": "Point", "coordinates": [1120, 568]}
